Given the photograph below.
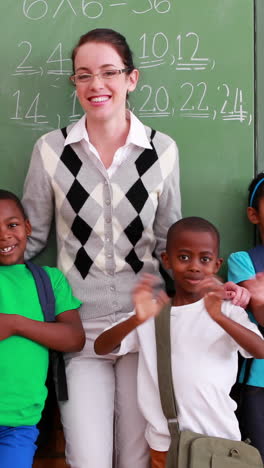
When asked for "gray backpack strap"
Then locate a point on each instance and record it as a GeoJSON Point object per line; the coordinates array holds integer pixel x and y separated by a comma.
{"type": "Point", "coordinates": [167, 396]}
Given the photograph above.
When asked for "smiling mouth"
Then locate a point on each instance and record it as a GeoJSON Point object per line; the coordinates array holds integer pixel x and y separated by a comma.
{"type": "Point", "coordinates": [99, 99]}
{"type": "Point", "coordinates": [7, 250]}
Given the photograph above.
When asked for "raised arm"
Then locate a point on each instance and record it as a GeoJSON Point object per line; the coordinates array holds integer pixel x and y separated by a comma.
{"type": "Point", "coordinates": [146, 306]}
{"type": "Point", "coordinates": [66, 334]}
{"type": "Point", "coordinates": [244, 337]}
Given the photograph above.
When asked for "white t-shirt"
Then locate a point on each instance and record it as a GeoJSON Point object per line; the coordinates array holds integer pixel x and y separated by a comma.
{"type": "Point", "coordinates": [204, 368]}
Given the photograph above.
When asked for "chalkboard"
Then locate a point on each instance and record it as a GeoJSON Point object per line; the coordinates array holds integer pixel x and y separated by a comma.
{"type": "Point", "coordinates": [196, 62]}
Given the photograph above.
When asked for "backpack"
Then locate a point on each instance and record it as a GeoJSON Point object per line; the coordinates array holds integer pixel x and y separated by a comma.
{"type": "Point", "coordinates": [56, 378]}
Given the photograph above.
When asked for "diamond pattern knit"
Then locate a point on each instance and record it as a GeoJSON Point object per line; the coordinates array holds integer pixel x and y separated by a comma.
{"type": "Point", "coordinates": [107, 229]}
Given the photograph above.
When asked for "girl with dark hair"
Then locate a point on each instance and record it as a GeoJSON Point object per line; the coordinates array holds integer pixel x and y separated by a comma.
{"type": "Point", "coordinates": [242, 270]}
{"type": "Point", "coordinates": [113, 185]}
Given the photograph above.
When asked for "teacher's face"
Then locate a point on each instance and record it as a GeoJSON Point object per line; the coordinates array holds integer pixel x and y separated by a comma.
{"type": "Point", "coordinates": [103, 99]}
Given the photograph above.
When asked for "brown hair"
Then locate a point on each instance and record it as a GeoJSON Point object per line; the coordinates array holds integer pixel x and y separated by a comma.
{"type": "Point", "coordinates": [110, 37]}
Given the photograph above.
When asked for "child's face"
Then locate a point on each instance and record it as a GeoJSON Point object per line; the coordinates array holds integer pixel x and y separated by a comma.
{"type": "Point", "coordinates": [192, 258]}
{"type": "Point", "coordinates": [14, 230]}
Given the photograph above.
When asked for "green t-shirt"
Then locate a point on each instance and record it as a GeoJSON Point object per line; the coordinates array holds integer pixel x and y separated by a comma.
{"type": "Point", "coordinates": [24, 363]}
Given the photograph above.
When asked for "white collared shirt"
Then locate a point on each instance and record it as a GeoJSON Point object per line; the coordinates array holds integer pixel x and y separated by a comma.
{"type": "Point", "coordinates": [136, 140]}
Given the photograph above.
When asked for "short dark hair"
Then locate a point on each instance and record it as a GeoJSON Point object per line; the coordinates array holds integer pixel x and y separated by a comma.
{"type": "Point", "coordinates": [110, 37]}
{"type": "Point", "coordinates": [192, 223]}
{"type": "Point", "coordinates": [6, 195]}
{"type": "Point", "coordinates": [256, 191]}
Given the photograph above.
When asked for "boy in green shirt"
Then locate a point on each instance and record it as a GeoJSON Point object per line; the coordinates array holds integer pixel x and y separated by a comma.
{"type": "Point", "coordinates": [25, 338]}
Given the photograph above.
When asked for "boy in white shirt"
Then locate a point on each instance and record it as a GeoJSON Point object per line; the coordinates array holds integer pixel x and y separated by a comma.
{"type": "Point", "coordinates": [206, 333]}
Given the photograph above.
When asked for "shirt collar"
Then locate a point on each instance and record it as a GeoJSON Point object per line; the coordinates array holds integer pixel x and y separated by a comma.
{"type": "Point", "coordinates": [77, 132]}
{"type": "Point", "coordinates": [136, 135]}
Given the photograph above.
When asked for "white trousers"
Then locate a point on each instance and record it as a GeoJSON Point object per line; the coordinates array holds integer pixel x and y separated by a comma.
{"type": "Point", "coordinates": [103, 395]}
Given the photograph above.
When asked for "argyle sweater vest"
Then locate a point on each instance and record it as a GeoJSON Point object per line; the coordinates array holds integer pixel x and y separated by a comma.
{"type": "Point", "coordinates": [107, 229]}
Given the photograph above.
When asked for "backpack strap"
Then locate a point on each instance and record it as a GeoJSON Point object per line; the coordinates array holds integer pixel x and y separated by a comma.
{"type": "Point", "coordinates": [45, 291]}
{"type": "Point", "coordinates": [47, 302]}
{"type": "Point", "coordinates": [167, 395]}
{"type": "Point", "coordinates": [257, 257]}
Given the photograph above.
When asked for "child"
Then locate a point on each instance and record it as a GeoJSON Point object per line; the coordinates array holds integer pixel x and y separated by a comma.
{"type": "Point", "coordinates": [206, 335]}
{"type": "Point", "coordinates": [241, 270]}
{"type": "Point", "coordinates": [25, 338]}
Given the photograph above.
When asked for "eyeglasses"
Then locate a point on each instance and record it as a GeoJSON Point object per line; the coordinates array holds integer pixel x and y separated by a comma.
{"type": "Point", "coordinates": [104, 75]}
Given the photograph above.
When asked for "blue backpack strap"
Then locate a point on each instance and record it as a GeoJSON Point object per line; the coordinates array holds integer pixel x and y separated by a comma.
{"type": "Point", "coordinates": [47, 302]}
{"type": "Point", "coordinates": [45, 291]}
{"type": "Point", "coordinates": [257, 257]}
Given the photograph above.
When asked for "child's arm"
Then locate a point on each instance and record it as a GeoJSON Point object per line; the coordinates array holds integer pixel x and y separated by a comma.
{"type": "Point", "coordinates": [66, 334]}
{"type": "Point", "coordinates": [245, 338]}
{"type": "Point", "coordinates": [146, 307]}
{"type": "Point", "coordinates": [111, 338]}
{"type": "Point", "coordinates": [255, 286]}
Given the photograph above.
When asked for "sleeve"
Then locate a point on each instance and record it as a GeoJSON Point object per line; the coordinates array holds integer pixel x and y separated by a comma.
{"type": "Point", "coordinates": [240, 267]}
{"type": "Point", "coordinates": [240, 316]}
{"type": "Point", "coordinates": [64, 298]}
{"type": "Point", "coordinates": [38, 201]}
{"type": "Point", "coordinates": [169, 203]}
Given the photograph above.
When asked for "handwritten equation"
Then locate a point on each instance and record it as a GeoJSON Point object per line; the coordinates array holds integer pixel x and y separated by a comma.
{"type": "Point", "coordinates": [37, 10]}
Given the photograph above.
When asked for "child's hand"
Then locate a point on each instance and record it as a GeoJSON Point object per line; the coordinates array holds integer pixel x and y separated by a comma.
{"type": "Point", "coordinates": [147, 304]}
{"type": "Point", "coordinates": [213, 302]}
{"type": "Point", "coordinates": [237, 294]}
{"type": "Point", "coordinates": [6, 326]}
{"type": "Point", "coordinates": [211, 284]}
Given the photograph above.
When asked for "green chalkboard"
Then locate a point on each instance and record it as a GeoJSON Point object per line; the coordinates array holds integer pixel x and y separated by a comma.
{"type": "Point", "coordinates": [196, 61]}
